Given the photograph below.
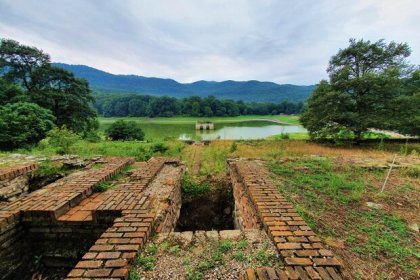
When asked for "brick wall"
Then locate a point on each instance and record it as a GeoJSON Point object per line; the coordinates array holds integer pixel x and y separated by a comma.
{"type": "Point", "coordinates": [36, 215]}
{"type": "Point", "coordinates": [148, 203]}
{"type": "Point", "coordinates": [302, 252]}
{"type": "Point", "coordinates": [245, 215]}
{"type": "Point", "coordinates": [14, 180]}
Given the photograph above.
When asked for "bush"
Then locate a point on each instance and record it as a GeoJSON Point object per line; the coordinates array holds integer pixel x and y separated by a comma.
{"type": "Point", "coordinates": [159, 148]}
{"type": "Point", "coordinates": [23, 124]}
{"type": "Point", "coordinates": [62, 139]}
{"type": "Point", "coordinates": [122, 130]}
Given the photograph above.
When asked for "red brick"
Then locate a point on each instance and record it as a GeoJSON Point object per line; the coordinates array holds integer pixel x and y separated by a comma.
{"type": "Point", "coordinates": [298, 261]}
{"type": "Point", "coordinates": [99, 248]}
{"type": "Point", "coordinates": [326, 253]}
{"type": "Point", "coordinates": [89, 255]}
{"type": "Point", "coordinates": [304, 233]}
{"type": "Point", "coordinates": [306, 253]}
{"type": "Point", "coordinates": [127, 247]}
{"type": "Point", "coordinates": [76, 273]}
{"type": "Point", "coordinates": [326, 262]}
{"type": "Point", "coordinates": [129, 256]}
{"type": "Point", "coordinates": [108, 255]}
{"type": "Point", "coordinates": [288, 246]}
{"type": "Point", "coordinates": [102, 272]}
{"type": "Point", "coordinates": [121, 272]}
{"type": "Point", "coordinates": [297, 239]}
{"type": "Point", "coordinates": [116, 263]}
{"type": "Point", "coordinates": [89, 264]}
{"type": "Point", "coordinates": [281, 233]}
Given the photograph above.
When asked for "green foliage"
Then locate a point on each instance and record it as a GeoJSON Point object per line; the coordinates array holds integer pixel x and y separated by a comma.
{"type": "Point", "coordinates": [225, 246]}
{"type": "Point", "coordinates": [62, 139]}
{"type": "Point", "coordinates": [103, 186]}
{"type": "Point", "coordinates": [11, 93]}
{"type": "Point", "coordinates": [67, 97]}
{"type": "Point", "coordinates": [122, 130]}
{"type": "Point", "coordinates": [159, 147]}
{"type": "Point", "coordinates": [239, 256]}
{"type": "Point", "coordinates": [382, 234]}
{"type": "Point", "coordinates": [23, 124]}
{"type": "Point", "coordinates": [133, 275]}
{"type": "Point", "coordinates": [233, 147]}
{"type": "Point", "coordinates": [192, 274]}
{"type": "Point", "coordinates": [191, 187]}
{"type": "Point", "coordinates": [371, 86]}
{"type": "Point", "coordinates": [413, 171]}
{"type": "Point", "coordinates": [152, 249]}
{"type": "Point", "coordinates": [132, 105]}
{"type": "Point", "coordinates": [147, 263]}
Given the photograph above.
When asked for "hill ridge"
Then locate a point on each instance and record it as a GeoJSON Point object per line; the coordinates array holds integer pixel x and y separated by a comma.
{"type": "Point", "coordinates": [247, 91]}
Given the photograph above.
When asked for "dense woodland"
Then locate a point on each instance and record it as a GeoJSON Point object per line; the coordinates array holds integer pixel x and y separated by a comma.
{"type": "Point", "coordinates": [133, 105]}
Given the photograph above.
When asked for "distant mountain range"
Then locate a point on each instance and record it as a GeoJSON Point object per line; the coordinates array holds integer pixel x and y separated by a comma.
{"type": "Point", "coordinates": [247, 91]}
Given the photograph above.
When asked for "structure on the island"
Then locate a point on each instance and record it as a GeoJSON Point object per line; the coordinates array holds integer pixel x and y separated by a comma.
{"type": "Point", "coordinates": [204, 126]}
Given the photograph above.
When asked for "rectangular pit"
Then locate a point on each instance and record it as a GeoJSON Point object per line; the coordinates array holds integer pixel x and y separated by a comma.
{"type": "Point", "coordinates": [211, 210]}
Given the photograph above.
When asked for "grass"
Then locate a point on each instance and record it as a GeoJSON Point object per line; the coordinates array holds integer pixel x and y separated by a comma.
{"type": "Point", "coordinates": [192, 187]}
{"type": "Point", "coordinates": [286, 119]}
{"type": "Point", "coordinates": [331, 198]}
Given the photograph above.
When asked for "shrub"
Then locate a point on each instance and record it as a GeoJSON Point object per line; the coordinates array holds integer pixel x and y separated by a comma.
{"type": "Point", "coordinates": [23, 124]}
{"type": "Point", "coordinates": [122, 130]}
{"type": "Point", "coordinates": [159, 148]}
{"type": "Point", "coordinates": [62, 139]}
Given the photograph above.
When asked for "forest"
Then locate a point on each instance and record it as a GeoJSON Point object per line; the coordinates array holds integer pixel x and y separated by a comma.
{"type": "Point", "coordinates": [134, 105]}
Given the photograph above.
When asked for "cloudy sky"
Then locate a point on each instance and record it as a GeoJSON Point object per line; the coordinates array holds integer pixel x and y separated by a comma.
{"type": "Point", "coordinates": [189, 40]}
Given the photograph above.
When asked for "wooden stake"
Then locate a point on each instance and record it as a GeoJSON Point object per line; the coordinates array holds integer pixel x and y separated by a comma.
{"type": "Point", "coordinates": [389, 172]}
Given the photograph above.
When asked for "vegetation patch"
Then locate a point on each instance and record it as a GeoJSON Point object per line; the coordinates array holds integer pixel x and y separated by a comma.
{"type": "Point", "coordinates": [331, 197]}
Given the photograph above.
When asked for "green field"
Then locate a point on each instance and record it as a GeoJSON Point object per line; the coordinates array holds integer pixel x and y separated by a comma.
{"type": "Point", "coordinates": [284, 119]}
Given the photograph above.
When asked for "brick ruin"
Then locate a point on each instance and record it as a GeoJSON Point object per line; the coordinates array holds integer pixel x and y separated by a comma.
{"type": "Point", "coordinates": [87, 234]}
{"type": "Point", "coordinates": [14, 180]}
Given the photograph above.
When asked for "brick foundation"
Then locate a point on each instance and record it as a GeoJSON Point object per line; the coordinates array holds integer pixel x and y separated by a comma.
{"type": "Point", "coordinates": [14, 180]}
{"type": "Point", "coordinates": [29, 223]}
{"type": "Point", "coordinates": [302, 252]}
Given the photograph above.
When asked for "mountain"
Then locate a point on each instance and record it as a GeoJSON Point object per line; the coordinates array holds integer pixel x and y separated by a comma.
{"type": "Point", "coordinates": [247, 91]}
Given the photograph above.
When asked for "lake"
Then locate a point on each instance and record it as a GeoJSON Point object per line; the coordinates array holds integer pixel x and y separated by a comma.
{"type": "Point", "coordinates": [223, 130]}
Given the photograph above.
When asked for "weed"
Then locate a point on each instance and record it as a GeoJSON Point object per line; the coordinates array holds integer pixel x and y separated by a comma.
{"type": "Point", "coordinates": [192, 274]}
{"type": "Point", "coordinates": [239, 256]}
{"type": "Point", "coordinates": [152, 249]}
{"type": "Point", "coordinates": [103, 186]}
{"type": "Point", "coordinates": [242, 244]}
{"type": "Point", "coordinates": [262, 257]}
{"type": "Point", "coordinates": [225, 246]}
{"type": "Point", "coordinates": [133, 275]}
{"type": "Point", "coordinates": [147, 263]}
{"type": "Point", "coordinates": [413, 172]}
{"type": "Point", "coordinates": [191, 187]}
{"type": "Point", "coordinates": [233, 147]}
{"type": "Point", "coordinates": [37, 261]}
{"type": "Point", "coordinates": [174, 249]}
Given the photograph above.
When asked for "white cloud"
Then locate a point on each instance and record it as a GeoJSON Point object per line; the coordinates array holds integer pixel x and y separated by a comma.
{"type": "Point", "coordinates": [187, 40]}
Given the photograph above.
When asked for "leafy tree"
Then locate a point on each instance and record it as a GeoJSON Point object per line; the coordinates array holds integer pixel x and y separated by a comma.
{"type": "Point", "coordinates": [23, 124]}
{"type": "Point", "coordinates": [365, 82]}
{"type": "Point", "coordinates": [19, 62]}
{"type": "Point", "coordinates": [53, 88]}
{"type": "Point", "coordinates": [10, 93]}
{"type": "Point", "coordinates": [122, 130]}
{"type": "Point", "coordinates": [62, 139]}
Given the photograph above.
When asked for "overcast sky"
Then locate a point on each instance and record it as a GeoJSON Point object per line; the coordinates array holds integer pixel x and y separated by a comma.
{"type": "Point", "coordinates": [189, 40]}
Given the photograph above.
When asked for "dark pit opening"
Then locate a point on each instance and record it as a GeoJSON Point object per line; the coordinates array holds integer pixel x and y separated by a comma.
{"type": "Point", "coordinates": [211, 210]}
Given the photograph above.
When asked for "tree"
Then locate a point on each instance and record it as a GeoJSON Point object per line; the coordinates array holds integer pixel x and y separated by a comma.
{"type": "Point", "coordinates": [10, 93]}
{"type": "Point", "coordinates": [23, 124]}
{"type": "Point", "coordinates": [365, 81]}
{"type": "Point", "coordinates": [53, 88]}
{"type": "Point", "coordinates": [122, 130]}
{"type": "Point", "coordinates": [20, 61]}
